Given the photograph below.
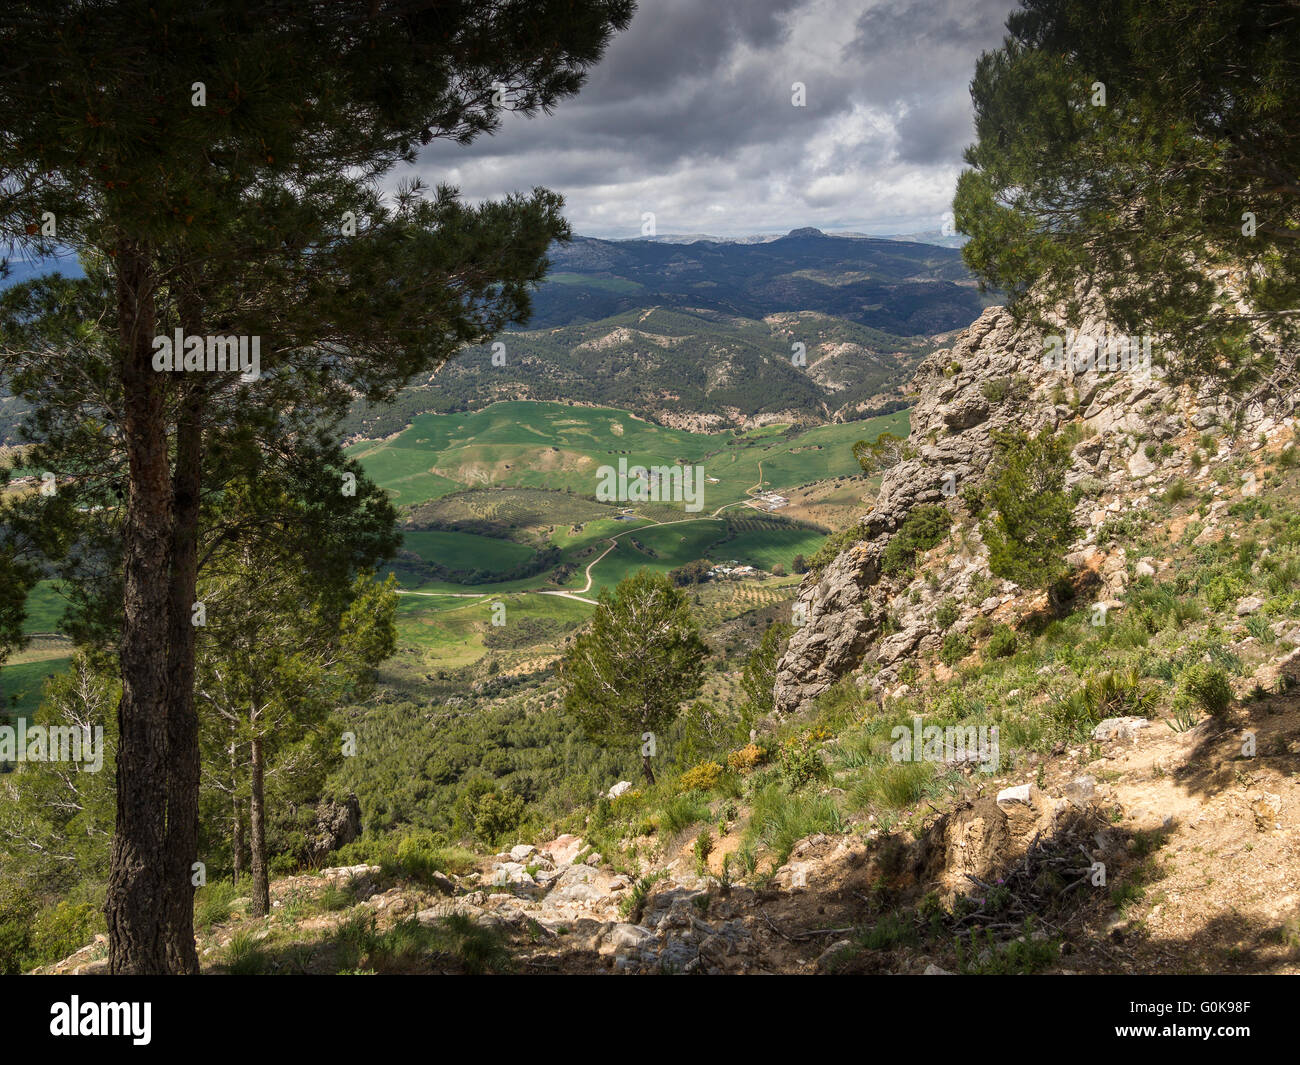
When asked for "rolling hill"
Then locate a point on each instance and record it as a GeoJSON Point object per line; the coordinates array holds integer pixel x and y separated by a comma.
{"type": "Point", "coordinates": [696, 370]}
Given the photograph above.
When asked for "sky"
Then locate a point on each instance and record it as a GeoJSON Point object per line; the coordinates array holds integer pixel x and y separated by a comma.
{"type": "Point", "coordinates": [689, 116]}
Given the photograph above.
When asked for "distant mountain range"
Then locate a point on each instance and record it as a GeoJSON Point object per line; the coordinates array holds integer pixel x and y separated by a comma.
{"type": "Point", "coordinates": [930, 236]}
{"type": "Point", "coordinates": [908, 289]}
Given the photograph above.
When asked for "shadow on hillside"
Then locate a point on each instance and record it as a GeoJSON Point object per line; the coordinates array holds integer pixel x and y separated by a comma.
{"type": "Point", "coordinates": [1218, 756]}
{"type": "Point", "coordinates": [1035, 908]}
{"type": "Point", "coordinates": [1225, 943]}
{"type": "Point", "coordinates": [1075, 592]}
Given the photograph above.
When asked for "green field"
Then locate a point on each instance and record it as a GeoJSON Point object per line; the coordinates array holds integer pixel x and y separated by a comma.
{"type": "Point", "coordinates": [765, 548]}
{"type": "Point", "coordinates": [465, 551]}
{"type": "Point", "coordinates": [450, 633]}
{"type": "Point", "coordinates": [561, 448]}
{"type": "Point", "coordinates": [528, 470]}
{"type": "Point", "coordinates": [21, 683]}
{"type": "Point", "coordinates": [45, 607]}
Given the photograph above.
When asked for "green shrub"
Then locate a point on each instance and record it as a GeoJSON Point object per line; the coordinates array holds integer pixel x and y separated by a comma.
{"type": "Point", "coordinates": [800, 763]}
{"type": "Point", "coordinates": [1205, 686]}
{"type": "Point", "coordinates": [703, 777]}
{"type": "Point", "coordinates": [833, 545]}
{"type": "Point", "coordinates": [995, 389]}
{"type": "Point", "coordinates": [947, 614]}
{"type": "Point", "coordinates": [703, 848]}
{"type": "Point", "coordinates": [17, 908]}
{"type": "Point", "coordinates": [1032, 525]}
{"type": "Point", "coordinates": [955, 647]}
{"type": "Point", "coordinates": [1002, 642]}
{"type": "Point", "coordinates": [924, 528]}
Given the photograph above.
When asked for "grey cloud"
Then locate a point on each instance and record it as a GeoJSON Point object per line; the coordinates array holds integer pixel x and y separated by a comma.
{"type": "Point", "coordinates": [690, 112]}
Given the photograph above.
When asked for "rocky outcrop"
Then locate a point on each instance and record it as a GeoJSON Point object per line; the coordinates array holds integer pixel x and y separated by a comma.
{"type": "Point", "coordinates": [842, 609]}
{"type": "Point", "coordinates": [999, 374]}
{"type": "Point", "coordinates": [337, 824]}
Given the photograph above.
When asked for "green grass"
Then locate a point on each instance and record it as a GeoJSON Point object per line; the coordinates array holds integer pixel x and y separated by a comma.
{"type": "Point", "coordinates": [453, 629]}
{"type": "Point", "coordinates": [766, 548]}
{"type": "Point", "coordinates": [780, 819]}
{"type": "Point", "coordinates": [465, 551]}
{"type": "Point", "coordinates": [45, 607]}
{"type": "Point", "coordinates": [24, 680]}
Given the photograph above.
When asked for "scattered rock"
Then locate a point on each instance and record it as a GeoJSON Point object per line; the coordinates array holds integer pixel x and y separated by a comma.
{"type": "Point", "coordinates": [1119, 728]}
{"type": "Point", "coordinates": [1081, 790]}
{"type": "Point", "coordinates": [1268, 811]}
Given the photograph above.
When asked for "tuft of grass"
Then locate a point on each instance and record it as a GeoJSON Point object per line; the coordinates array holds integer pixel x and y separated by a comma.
{"type": "Point", "coordinates": [631, 904]}
{"type": "Point", "coordinates": [780, 819]}
{"type": "Point", "coordinates": [893, 785]}
{"type": "Point", "coordinates": [409, 945]}
{"type": "Point", "coordinates": [244, 955]}
{"type": "Point", "coordinates": [680, 812]}
{"type": "Point", "coordinates": [1115, 693]}
{"type": "Point", "coordinates": [1205, 686]}
{"type": "Point", "coordinates": [212, 903]}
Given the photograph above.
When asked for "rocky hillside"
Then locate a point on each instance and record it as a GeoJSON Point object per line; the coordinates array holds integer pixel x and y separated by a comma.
{"type": "Point", "coordinates": [1135, 433]}
{"type": "Point", "coordinates": [1113, 789]}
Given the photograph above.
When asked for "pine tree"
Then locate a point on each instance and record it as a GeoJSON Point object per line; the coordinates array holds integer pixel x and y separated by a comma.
{"type": "Point", "coordinates": [206, 153]}
{"type": "Point", "coordinates": [1135, 151]}
{"type": "Point", "coordinates": [626, 677]}
{"type": "Point", "coordinates": [1032, 523]}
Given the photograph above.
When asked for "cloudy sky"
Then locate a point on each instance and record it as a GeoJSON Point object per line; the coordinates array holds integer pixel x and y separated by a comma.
{"type": "Point", "coordinates": [689, 116]}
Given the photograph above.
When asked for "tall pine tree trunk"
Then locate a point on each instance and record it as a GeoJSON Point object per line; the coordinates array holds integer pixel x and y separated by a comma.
{"type": "Point", "coordinates": [236, 817]}
{"type": "Point", "coordinates": [257, 833]}
{"type": "Point", "coordinates": [237, 839]}
{"type": "Point", "coordinates": [139, 875]}
{"type": "Point", "coordinates": [182, 717]}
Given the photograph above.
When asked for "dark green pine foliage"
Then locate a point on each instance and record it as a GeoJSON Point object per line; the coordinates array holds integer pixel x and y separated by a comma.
{"type": "Point", "coordinates": [629, 673]}
{"type": "Point", "coordinates": [1031, 523]}
{"type": "Point", "coordinates": [1187, 168]}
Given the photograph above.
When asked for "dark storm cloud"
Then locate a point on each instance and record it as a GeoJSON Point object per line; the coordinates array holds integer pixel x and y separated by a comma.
{"type": "Point", "coordinates": [689, 116]}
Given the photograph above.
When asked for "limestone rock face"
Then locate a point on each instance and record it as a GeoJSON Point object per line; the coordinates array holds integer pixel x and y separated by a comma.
{"type": "Point", "coordinates": [1000, 374]}
{"type": "Point", "coordinates": [959, 407]}
{"type": "Point", "coordinates": [337, 824]}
